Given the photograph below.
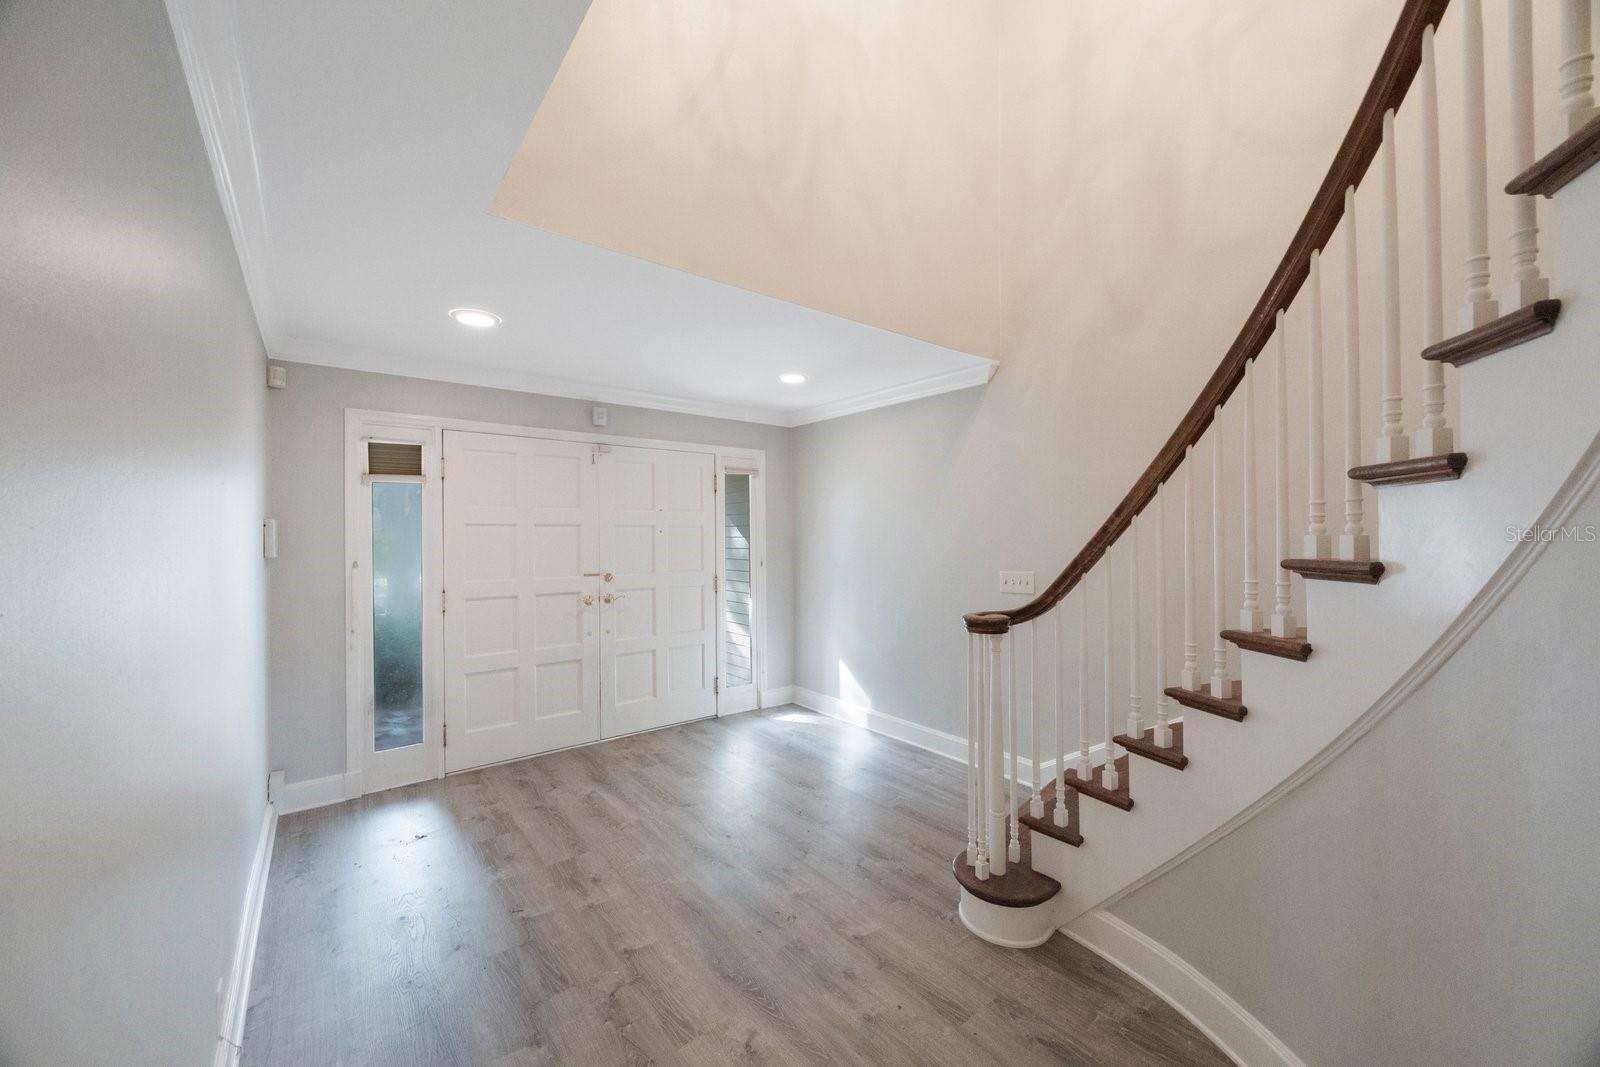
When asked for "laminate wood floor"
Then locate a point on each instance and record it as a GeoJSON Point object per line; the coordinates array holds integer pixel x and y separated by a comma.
{"type": "Point", "coordinates": [766, 888]}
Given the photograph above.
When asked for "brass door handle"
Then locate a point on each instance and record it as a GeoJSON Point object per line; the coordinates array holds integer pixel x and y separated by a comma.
{"type": "Point", "coordinates": [609, 597]}
{"type": "Point", "coordinates": [588, 599]}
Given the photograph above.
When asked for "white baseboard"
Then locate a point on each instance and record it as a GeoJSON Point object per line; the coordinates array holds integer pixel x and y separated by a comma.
{"type": "Point", "coordinates": [1221, 1018]}
{"type": "Point", "coordinates": [940, 743]}
{"type": "Point", "coordinates": [236, 995]}
{"type": "Point", "coordinates": [776, 698]}
{"type": "Point", "coordinates": [316, 793]}
{"type": "Point", "coordinates": [936, 741]}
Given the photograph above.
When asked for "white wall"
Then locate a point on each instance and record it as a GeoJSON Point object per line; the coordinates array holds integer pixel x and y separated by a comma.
{"type": "Point", "coordinates": [1155, 163]}
{"type": "Point", "coordinates": [305, 493]}
{"type": "Point", "coordinates": [1429, 897]}
{"type": "Point", "coordinates": [132, 645]}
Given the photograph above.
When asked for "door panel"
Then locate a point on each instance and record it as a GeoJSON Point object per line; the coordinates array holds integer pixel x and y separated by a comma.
{"type": "Point", "coordinates": [658, 636]}
{"type": "Point", "coordinates": [521, 648]}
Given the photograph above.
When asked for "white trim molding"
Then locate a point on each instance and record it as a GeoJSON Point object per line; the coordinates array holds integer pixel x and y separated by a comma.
{"type": "Point", "coordinates": [207, 38]}
{"type": "Point", "coordinates": [236, 994]}
{"type": "Point", "coordinates": [924, 737]}
{"type": "Point", "coordinates": [950, 746]}
{"type": "Point", "coordinates": [317, 792]}
{"type": "Point", "coordinates": [980, 373]}
{"type": "Point", "coordinates": [1169, 976]}
{"type": "Point", "coordinates": [346, 357]}
{"type": "Point", "coordinates": [776, 698]}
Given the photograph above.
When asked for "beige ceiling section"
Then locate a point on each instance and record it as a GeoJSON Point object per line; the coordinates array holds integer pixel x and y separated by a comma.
{"type": "Point", "coordinates": [833, 153]}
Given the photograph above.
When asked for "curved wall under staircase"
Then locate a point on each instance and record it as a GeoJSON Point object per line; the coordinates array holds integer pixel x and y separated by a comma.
{"type": "Point", "coordinates": [1419, 887]}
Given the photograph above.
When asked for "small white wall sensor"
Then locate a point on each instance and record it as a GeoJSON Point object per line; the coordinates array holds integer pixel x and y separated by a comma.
{"type": "Point", "coordinates": [269, 539]}
{"type": "Point", "coordinates": [277, 377]}
{"type": "Point", "coordinates": [599, 415]}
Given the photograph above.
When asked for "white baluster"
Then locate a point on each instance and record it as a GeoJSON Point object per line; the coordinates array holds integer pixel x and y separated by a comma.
{"type": "Point", "coordinates": [1392, 442]}
{"type": "Point", "coordinates": [1318, 545]}
{"type": "Point", "coordinates": [1480, 307]}
{"type": "Point", "coordinates": [1220, 686]}
{"type": "Point", "coordinates": [1250, 612]}
{"type": "Point", "coordinates": [1526, 284]}
{"type": "Point", "coordinates": [1191, 648]}
{"type": "Point", "coordinates": [997, 755]}
{"type": "Point", "coordinates": [1036, 798]}
{"type": "Point", "coordinates": [1163, 732]}
{"type": "Point", "coordinates": [981, 866]}
{"type": "Point", "coordinates": [1084, 768]}
{"type": "Point", "coordinates": [1060, 814]}
{"type": "Point", "coordinates": [1433, 437]}
{"type": "Point", "coordinates": [1013, 713]}
{"type": "Point", "coordinates": [1283, 622]}
{"type": "Point", "coordinates": [1109, 777]}
{"type": "Point", "coordinates": [1353, 543]}
{"type": "Point", "coordinates": [1577, 66]}
{"type": "Point", "coordinates": [972, 750]}
{"type": "Point", "coordinates": [1135, 705]}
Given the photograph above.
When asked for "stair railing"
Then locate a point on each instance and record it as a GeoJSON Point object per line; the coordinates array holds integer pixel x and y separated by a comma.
{"type": "Point", "coordinates": [1002, 642]}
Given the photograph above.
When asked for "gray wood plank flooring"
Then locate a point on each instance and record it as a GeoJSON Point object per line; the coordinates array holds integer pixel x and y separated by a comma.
{"type": "Point", "coordinates": [766, 888]}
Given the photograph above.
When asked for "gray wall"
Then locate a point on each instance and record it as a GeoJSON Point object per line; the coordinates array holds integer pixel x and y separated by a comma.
{"type": "Point", "coordinates": [305, 493]}
{"type": "Point", "coordinates": [1430, 897]}
{"type": "Point", "coordinates": [132, 606]}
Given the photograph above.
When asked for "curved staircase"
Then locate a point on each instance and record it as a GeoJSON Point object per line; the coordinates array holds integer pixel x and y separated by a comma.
{"type": "Point", "coordinates": [1063, 817]}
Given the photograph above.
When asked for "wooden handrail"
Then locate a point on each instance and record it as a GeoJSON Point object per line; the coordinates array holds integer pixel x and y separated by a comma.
{"type": "Point", "coordinates": [1388, 88]}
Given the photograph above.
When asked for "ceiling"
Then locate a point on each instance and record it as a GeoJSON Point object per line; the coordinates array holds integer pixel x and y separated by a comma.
{"type": "Point", "coordinates": [359, 146]}
{"type": "Point", "coordinates": [836, 154]}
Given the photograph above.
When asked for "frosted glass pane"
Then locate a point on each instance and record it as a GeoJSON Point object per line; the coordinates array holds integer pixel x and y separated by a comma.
{"type": "Point", "coordinates": [737, 603]}
{"type": "Point", "coordinates": [396, 614]}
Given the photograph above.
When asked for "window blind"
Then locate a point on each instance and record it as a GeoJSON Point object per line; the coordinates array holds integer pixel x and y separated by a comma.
{"type": "Point", "coordinates": [387, 457]}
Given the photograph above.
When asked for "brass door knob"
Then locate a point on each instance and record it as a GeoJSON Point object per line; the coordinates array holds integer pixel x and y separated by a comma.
{"type": "Point", "coordinates": [588, 599]}
{"type": "Point", "coordinates": [607, 576]}
{"type": "Point", "coordinates": [607, 598]}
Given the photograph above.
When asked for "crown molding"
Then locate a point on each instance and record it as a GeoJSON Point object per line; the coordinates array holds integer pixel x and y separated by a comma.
{"type": "Point", "coordinates": [346, 357]}
{"type": "Point", "coordinates": [206, 33]}
{"type": "Point", "coordinates": [979, 373]}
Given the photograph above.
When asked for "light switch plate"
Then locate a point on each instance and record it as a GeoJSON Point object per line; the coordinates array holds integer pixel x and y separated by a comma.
{"type": "Point", "coordinates": [1017, 582]}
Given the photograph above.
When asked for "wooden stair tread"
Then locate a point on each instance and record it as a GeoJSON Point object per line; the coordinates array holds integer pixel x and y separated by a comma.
{"type": "Point", "coordinates": [1508, 331]}
{"type": "Point", "coordinates": [1561, 164]}
{"type": "Point", "coordinates": [1442, 468]}
{"type": "Point", "coordinates": [1020, 887]}
{"type": "Point", "coordinates": [1068, 834]}
{"type": "Point", "coordinates": [1145, 745]}
{"type": "Point", "coordinates": [1263, 641]}
{"type": "Point", "coordinates": [1365, 572]}
{"type": "Point", "coordinates": [1226, 707]}
{"type": "Point", "coordinates": [1121, 797]}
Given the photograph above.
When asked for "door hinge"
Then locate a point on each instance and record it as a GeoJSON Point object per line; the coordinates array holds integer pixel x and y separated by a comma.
{"type": "Point", "coordinates": [716, 686]}
{"type": "Point", "coordinates": [716, 583]}
{"type": "Point", "coordinates": [441, 468]}
{"type": "Point", "coordinates": [446, 735]}
{"type": "Point", "coordinates": [444, 602]}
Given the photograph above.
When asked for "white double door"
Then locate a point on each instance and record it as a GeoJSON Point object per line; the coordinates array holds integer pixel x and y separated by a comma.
{"type": "Point", "coordinates": [579, 595]}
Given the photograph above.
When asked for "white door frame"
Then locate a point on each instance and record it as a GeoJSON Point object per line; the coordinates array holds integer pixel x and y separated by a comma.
{"type": "Point", "coordinates": [367, 771]}
{"type": "Point", "coordinates": [363, 424]}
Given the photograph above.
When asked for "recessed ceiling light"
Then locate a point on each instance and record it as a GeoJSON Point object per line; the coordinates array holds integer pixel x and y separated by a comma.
{"type": "Point", "coordinates": [792, 378]}
{"type": "Point", "coordinates": [477, 318]}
